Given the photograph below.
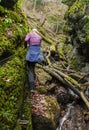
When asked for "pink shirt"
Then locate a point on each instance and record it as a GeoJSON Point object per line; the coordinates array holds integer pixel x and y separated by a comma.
{"type": "Point", "coordinates": [33, 39]}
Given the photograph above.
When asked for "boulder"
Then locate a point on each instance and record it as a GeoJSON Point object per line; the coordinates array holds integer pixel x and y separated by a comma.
{"type": "Point", "coordinates": [42, 76]}
{"type": "Point", "coordinates": [45, 112]}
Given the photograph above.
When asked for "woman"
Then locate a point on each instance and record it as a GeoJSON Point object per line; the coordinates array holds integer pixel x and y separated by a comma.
{"type": "Point", "coordinates": [34, 54]}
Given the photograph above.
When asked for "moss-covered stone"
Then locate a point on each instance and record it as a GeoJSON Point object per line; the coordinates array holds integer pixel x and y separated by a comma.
{"type": "Point", "coordinates": [42, 76]}
{"type": "Point", "coordinates": [12, 80]}
{"type": "Point", "coordinates": [14, 16]}
{"type": "Point", "coordinates": [13, 28]}
{"type": "Point", "coordinates": [47, 117]}
{"type": "Point", "coordinates": [26, 120]}
{"type": "Point", "coordinates": [77, 27]}
{"type": "Point", "coordinates": [2, 11]}
{"type": "Point", "coordinates": [42, 90]}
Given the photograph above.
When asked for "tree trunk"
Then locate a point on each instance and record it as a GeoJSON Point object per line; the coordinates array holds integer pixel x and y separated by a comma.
{"type": "Point", "coordinates": [67, 81]}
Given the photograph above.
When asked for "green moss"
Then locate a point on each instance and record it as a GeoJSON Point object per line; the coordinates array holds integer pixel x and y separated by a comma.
{"type": "Point", "coordinates": [11, 36]}
{"type": "Point", "coordinates": [42, 90]}
{"type": "Point", "coordinates": [71, 80]}
{"type": "Point", "coordinates": [13, 29]}
{"type": "Point", "coordinates": [86, 28]}
{"type": "Point", "coordinates": [75, 63]}
{"type": "Point", "coordinates": [76, 7]}
{"type": "Point", "coordinates": [18, 127]}
{"type": "Point", "coordinates": [87, 38]}
{"type": "Point", "coordinates": [60, 49]}
{"type": "Point", "coordinates": [75, 76]}
{"type": "Point", "coordinates": [13, 15]}
{"type": "Point", "coordinates": [2, 11]}
{"type": "Point", "coordinates": [68, 2]}
{"type": "Point", "coordinates": [52, 104]}
{"type": "Point", "coordinates": [65, 28]}
{"type": "Point", "coordinates": [53, 109]}
{"type": "Point", "coordinates": [3, 97]}
{"type": "Point", "coordinates": [11, 82]}
{"type": "Point", "coordinates": [76, 11]}
{"type": "Point", "coordinates": [77, 27]}
{"type": "Point", "coordinates": [26, 116]}
{"type": "Point", "coordinates": [6, 46]}
{"type": "Point", "coordinates": [12, 79]}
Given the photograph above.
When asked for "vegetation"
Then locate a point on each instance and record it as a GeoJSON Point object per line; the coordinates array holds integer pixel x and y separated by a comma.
{"type": "Point", "coordinates": [11, 86]}
{"type": "Point", "coordinates": [77, 26]}
{"type": "Point", "coordinates": [68, 2]}
{"type": "Point", "coordinates": [13, 28]}
{"type": "Point", "coordinates": [15, 112]}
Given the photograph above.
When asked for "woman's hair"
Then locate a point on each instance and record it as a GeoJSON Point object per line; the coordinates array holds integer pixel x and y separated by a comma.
{"type": "Point", "coordinates": [34, 30]}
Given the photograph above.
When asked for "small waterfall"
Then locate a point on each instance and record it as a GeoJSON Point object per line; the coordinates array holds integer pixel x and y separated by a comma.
{"type": "Point", "coordinates": [61, 122]}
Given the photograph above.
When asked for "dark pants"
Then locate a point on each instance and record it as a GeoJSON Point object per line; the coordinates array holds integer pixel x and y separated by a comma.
{"type": "Point", "coordinates": [31, 74]}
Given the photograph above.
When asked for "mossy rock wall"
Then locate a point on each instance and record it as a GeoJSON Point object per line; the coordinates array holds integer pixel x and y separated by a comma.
{"type": "Point", "coordinates": [77, 26]}
{"type": "Point", "coordinates": [12, 90]}
{"type": "Point", "coordinates": [13, 78]}
{"type": "Point", "coordinates": [13, 28]}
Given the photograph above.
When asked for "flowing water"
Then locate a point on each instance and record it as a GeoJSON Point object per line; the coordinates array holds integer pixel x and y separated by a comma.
{"type": "Point", "coordinates": [62, 120]}
{"type": "Point", "coordinates": [73, 119]}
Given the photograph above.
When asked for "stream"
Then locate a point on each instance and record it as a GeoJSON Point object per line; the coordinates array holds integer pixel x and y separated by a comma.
{"type": "Point", "coordinates": [65, 117]}
{"type": "Point", "coordinates": [73, 118]}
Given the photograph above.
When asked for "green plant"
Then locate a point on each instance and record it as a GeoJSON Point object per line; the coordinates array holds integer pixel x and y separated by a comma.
{"type": "Point", "coordinates": [2, 10]}
{"type": "Point", "coordinates": [8, 22]}
{"type": "Point", "coordinates": [13, 15]}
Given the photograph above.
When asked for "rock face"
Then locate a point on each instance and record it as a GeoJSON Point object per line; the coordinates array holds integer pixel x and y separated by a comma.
{"type": "Point", "coordinates": [45, 112]}
{"type": "Point", "coordinates": [77, 26]}
{"type": "Point", "coordinates": [12, 71]}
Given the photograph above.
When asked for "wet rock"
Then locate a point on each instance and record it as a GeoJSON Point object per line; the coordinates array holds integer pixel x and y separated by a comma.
{"type": "Point", "coordinates": [73, 119]}
{"type": "Point", "coordinates": [63, 96]}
